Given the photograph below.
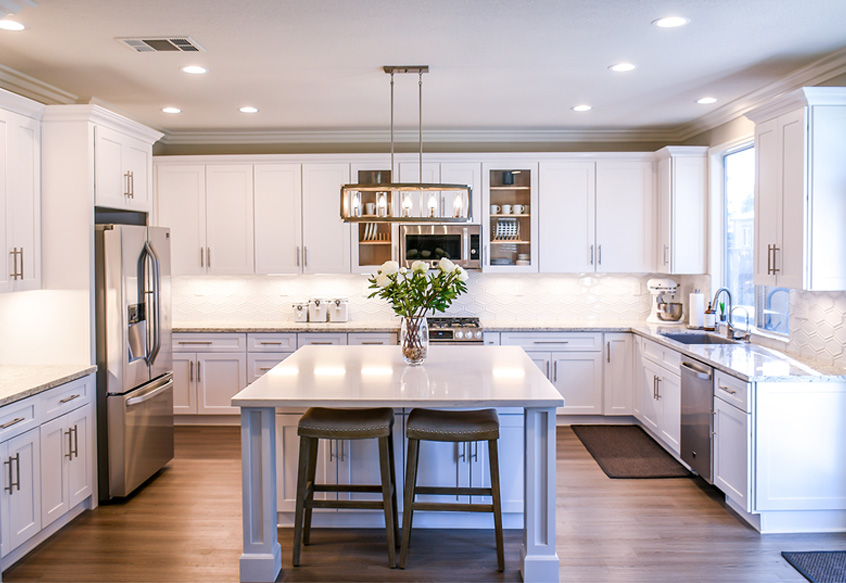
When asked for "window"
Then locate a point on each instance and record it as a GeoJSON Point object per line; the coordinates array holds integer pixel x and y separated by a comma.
{"type": "Point", "coordinates": [767, 307]}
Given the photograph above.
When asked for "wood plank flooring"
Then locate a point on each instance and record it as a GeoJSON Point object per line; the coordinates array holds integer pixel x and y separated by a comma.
{"type": "Point", "coordinates": [186, 526]}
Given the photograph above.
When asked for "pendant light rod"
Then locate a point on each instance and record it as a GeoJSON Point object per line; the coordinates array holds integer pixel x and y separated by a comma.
{"type": "Point", "coordinates": [420, 122]}
{"type": "Point", "coordinates": [419, 69]}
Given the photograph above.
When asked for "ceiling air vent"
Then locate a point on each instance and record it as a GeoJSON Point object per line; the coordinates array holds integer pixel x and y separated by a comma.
{"type": "Point", "coordinates": [183, 44]}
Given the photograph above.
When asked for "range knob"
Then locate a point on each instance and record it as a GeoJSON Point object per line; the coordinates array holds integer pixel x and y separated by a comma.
{"type": "Point", "coordinates": [459, 335]}
{"type": "Point", "coordinates": [477, 334]}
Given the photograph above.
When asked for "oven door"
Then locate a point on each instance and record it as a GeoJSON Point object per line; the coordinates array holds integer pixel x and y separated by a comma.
{"type": "Point", "coordinates": [430, 243]}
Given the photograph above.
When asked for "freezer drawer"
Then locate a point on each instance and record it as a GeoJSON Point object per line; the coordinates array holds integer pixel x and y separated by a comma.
{"type": "Point", "coordinates": [140, 434]}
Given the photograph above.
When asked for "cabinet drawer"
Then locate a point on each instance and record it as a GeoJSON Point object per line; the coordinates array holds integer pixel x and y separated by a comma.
{"type": "Point", "coordinates": [271, 342]}
{"type": "Point", "coordinates": [554, 341]}
{"type": "Point", "coordinates": [308, 338]}
{"type": "Point", "coordinates": [66, 398]}
{"type": "Point", "coordinates": [359, 338]}
{"type": "Point", "coordinates": [204, 342]}
{"type": "Point", "coordinates": [666, 357]}
{"type": "Point", "coordinates": [18, 417]}
{"type": "Point", "coordinates": [259, 364]}
{"type": "Point", "coordinates": [732, 390]}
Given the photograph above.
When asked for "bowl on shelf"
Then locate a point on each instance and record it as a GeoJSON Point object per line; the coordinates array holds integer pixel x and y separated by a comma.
{"type": "Point", "coordinates": [501, 261]}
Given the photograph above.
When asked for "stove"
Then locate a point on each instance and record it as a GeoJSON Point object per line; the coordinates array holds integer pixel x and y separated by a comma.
{"type": "Point", "coordinates": [464, 330]}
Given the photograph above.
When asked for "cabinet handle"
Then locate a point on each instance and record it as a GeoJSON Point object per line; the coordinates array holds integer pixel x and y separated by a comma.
{"type": "Point", "coordinates": [14, 421]}
{"type": "Point", "coordinates": [322, 343]}
{"type": "Point", "coordinates": [666, 248]}
{"type": "Point", "coordinates": [654, 389]}
{"type": "Point", "coordinates": [769, 259]}
{"type": "Point", "coordinates": [775, 259]}
{"type": "Point", "coordinates": [14, 254]}
{"type": "Point", "coordinates": [608, 353]}
{"type": "Point", "coordinates": [297, 255]}
{"type": "Point", "coordinates": [658, 387]}
{"type": "Point", "coordinates": [131, 184]}
{"type": "Point", "coordinates": [191, 371]}
{"type": "Point", "coordinates": [195, 342]}
{"type": "Point", "coordinates": [69, 433]}
{"type": "Point", "coordinates": [11, 481]}
{"type": "Point", "coordinates": [343, 450]}
{"type": "Point", "coordinates": [126, 184]}
{"type": "Point", "coordinates": [547, 369]}
{"type": "Point", "coordinates": [305, 256]}
{"type": "Point", "coordinates": [599, 255]}
{"type": "Point", "coordinates": [14, 482]}
{"type": "Point", "coordinates": [268, 342]}
{"type": "Point", "coordinates": [198, 372]}
{"type": "Point", "coordinates": [375, 343]}
{"type": "Point", "coordinates": [69, 399]}
{"type": "Point", "coordinates": [202, 259]}
{"type": "Point", "coordinates": [21, 252]}
{"type": "Point", "coordinates": [591, 254]}
{"type": "Point", "coordinates": [474, 456]}
{"type": "Point", "coordinates": [728, 390]}
{"type": "Point", "coordinates": [555, 371]}
{"type": "Point", "coordinates": [550, 342]}
{"type": "Point", "coordinates": [75, 441]}
{"type": "Point", "coordinates": [265, 368]}
{"type": "Point", "coordinates": [208, 257]}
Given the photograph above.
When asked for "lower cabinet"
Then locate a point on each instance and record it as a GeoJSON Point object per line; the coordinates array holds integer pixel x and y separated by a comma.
{"type": "Point", "coordinates": [731, 443]}
{"type": "Point", "coordinates": [20, 504]}
{"type": "Point", "coordinates": [660, 396]}
{"type": "Point", "coordinates": [618, 375]}
{"type": "Point", "coordinates": [208, 370]}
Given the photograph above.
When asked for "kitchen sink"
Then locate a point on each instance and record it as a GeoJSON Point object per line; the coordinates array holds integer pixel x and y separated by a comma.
{"type": "Point", "coordinates": [697, 338]}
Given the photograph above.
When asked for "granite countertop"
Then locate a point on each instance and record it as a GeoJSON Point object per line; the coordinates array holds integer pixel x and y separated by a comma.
{"type": "Point", "coordinates": [289, 326]}
{"type": "Point", "coordinates": [18, 382]}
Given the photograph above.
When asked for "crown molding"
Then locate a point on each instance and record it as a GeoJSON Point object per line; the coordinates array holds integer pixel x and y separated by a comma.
{"type": "Point", "coordinates": [100, 115]}
{"type": "Point", "coordinates": [32, 88]}
{"type": "Point", "coordinates": [815, 73]}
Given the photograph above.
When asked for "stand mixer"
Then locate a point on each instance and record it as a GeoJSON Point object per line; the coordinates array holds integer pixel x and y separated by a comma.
{"type": "Point", "coordinates": [664, 311]}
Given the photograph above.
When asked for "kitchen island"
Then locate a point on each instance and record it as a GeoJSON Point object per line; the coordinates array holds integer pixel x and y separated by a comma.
{"type": "Point", "coordinates": [373, 376]}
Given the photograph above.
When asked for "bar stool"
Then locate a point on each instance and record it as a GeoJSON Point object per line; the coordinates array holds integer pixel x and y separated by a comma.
{"type": "Point", "coordinates": [324, 423]}
{"type": "Point", "coordinates": [455, 426]}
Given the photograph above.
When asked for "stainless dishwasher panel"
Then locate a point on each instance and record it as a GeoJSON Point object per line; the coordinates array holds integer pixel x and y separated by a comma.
{"type": "Point", "coordinates": [697, 405]}
{"type": "Point", "coordinates": [140, 434]}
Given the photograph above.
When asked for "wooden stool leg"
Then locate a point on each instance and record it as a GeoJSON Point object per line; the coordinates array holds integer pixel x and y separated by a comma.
{"type": "Point", "coordinates": [387, 487]}
{"type": "Point", "coordinates": [408, 510]}
{"type": "Point", "coordinates": [312, 470]}
{"type": "Point", "coordinates": [394, 490]}
{"type": "Point", "coordinates": [493, 455]}
{"type": "Point", "coordinates": [302, 475]}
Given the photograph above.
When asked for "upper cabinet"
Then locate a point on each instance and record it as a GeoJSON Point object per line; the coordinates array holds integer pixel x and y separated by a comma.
{"type": "Point", "coordinates": [278, 218]}
{"type": "Point", "coordinates": [510, 225]}
{"type": "Point", "coordinates": [596, 216]}
{"type": "Point", "coordinates": [326, 239]}
{"type": "Point", "coordinates": [800, 209]}
{"type": "Point", "coordinates": [20, 192]}
{"type": "Point", "coordinates": [682, 210]}
{"type": "Point", "coordinates": [123, 168]}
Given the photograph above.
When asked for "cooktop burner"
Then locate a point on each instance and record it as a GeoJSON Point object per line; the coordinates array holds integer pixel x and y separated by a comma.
{"type": "Point", "coordinates": [455, 329]}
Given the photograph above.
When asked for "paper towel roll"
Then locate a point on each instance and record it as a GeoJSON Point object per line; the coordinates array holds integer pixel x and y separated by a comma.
{"type": "Point", "coordinates": [696, 311]}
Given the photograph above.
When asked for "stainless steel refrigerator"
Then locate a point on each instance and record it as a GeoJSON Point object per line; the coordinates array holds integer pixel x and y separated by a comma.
{"type": "Point", "coordinates": [134, 358]}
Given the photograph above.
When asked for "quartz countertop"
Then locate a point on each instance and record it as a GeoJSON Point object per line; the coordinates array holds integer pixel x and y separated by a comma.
{"type": "Point", "coordinates": [21, 381]}
{"type": "Point", "coordinates": [377, 376]}
{"type": "Point", "coordinates": [289, 326]}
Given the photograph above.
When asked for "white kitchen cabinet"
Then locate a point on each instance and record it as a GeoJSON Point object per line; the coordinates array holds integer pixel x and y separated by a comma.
{"type": "Point", "coordinates": [326, 239]}
{"type": "Point", "coordinates": [799, 207]}
{"type": "Point", "coordinates": [278, 218]}
{"type": "Point", "coordinates": [288, 451]}
{"type": "Point", "coordinates": [510, 239]}
{"type": "Point", "coordinates": [20, 199]}
{"type": "Point", "coordinates": [259, 363]}
{"type": "Point", "coordinates": [572, 361]}
{"type": "Point", "coordinates": [660, 401]}
{"type": "Point", "coordinates": [618, 379]}
{"type": "Point", "coordinates": [682, 210]}
{"type": "Point", "coordinates": [209, 369]}
{"type": "Point", "coordinates": [209, 210]}
{"type": "Point", "coordinates": [123, 168]}
{"type": "Point", "coordinates": [596, 216]}
{"type": "Point", "coordinates": [184, 385]}
{"type": "Point", "coordinates": [66, 463]}
{"type": "Point", "coordinates": [732, 442]}
{"type": "Point", "coordinates": [330, 338]}
{"type": "Point", "coordinates": [372, 338]}
{"type": "Point", "coordinates": [267, 349]}
{"type": "Point", "coordinates": [20, 501]}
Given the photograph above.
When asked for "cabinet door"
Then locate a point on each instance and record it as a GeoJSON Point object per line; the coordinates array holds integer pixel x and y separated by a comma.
{"type": "Point", "coordinates": [624, 217]}
{"type": "Point", "coordinates": [732, 440]}
{"type": "Point", "coordinates": [229, 219]}
{"type": "Point", "coordinates": [259, 364]}
{"type": "Point", "coordinates": [80, 465]}
{"type": "Point", "coordinates": [21, 499]}
{"type": "Point", "coordinates": [511, 455]}
{"type": "Point", "coordinates": [372, 338]}
{"type": "Point", "coordinates": [9, 256]}
{"type": "Point", "coordinates": [219, 376]}
{"type": "Point", "coordinates": [618, 380]}
{"type": "Point", "coordinates": [790, 254]}
{"type": "Point", "coordinates": [111, 186]}
{"type": "Point", "coordinates": [567, 223]}
{"type": "Point", "coordinates": [649, 395]}
{"type": "Point", "coordinates": [358, 463]}
{"type": "Point", "coordinates": [288, 452]}
{"type": "Point", "coordinates": [23, 203]}
{"type": "Point", "coordinates": [137, 162]}
{"type": "Point", "coordinates": [333, 338]}
{"type": "Point", "coordinates": [578, 377]}
{"type": "Point", "coordinates": [180, 203]}
{"type": "Point", "coordinates": [56, 447]}
{"type": "Point", "coordinates": [767, 199]}
{"type": "Point", "coordinates": [543, 360]}
{"type": "Point", "coordinates": [443, 463]}
{"type": "Point", "coordinates": [326, 239]}
{"type": "Point", "coordinates": [184, 384]}
{"type": "Point", "coordinates": [669, 408]}
{"type": "Point", "coordinates": [278, 218]}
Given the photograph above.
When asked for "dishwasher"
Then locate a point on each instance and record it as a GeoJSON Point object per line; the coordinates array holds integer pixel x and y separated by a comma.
{"type": "Point", "coordinates": [697, 406]}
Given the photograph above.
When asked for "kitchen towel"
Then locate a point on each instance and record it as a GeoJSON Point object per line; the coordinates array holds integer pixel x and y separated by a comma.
{"type": "Point", "coordinates": [696, 311]}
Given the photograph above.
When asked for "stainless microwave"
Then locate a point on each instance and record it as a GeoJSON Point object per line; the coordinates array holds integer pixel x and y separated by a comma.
{"type": "Point", "coordinates": [461, 244]}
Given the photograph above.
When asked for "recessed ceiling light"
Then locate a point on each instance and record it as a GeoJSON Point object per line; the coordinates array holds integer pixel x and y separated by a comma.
{"type": "Point", "coordinates": [11, 25]}
{"type": "Point", "coordinates": [194, 70]}
{"type": "Point", "coordinates": [171, 110]}
{"type": "Point", "coordinates": [671, 21]}
{"type": "Point", "coordinates": [706, 100]}
{"type": "Point", "coordinates": [248, 109]}
{"type": "Point", "coordinates": [582, 108]}
{"type": "Point", "coordinates": [622, 67]}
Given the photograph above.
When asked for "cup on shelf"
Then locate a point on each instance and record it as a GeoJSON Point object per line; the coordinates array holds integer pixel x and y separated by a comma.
{"type": "Point", "coordinates": [519, 209]}
{"type": "Point", "coordinates": [370, 208]}
{"type": "Point", "coordinates": [495, 209]}
{"type": "Point", "coordinates": [525, 209]}
{"type": "Point", "coordinates": [506, 209]}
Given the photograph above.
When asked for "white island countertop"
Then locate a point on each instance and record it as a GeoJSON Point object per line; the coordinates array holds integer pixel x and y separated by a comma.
{"type": "Point", "coordinates": [377, 376]}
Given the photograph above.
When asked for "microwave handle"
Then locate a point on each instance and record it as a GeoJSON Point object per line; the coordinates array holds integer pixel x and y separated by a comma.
{"type": "Point", "coordinates": [465, 238]}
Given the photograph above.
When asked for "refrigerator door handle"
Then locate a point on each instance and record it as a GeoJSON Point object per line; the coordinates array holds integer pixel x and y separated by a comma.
{"type": "Point", "coordinates": [153, 303]}
{"type": "Point", "coordinates": [149, 395]}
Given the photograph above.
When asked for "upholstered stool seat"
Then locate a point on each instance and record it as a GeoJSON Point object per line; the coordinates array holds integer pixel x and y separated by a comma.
{"type": "Point", "coordinates": [325, 423]}
{"type": "Point", "coordinates": [451, 426]}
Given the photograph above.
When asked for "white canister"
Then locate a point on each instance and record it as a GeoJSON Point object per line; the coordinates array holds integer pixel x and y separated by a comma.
{"type": "Point", "coordinates": [339, 310]}
{"type": "Point", "coordinates": [317, 310]}
{"type": "Point", "coordinates": [301, 312]}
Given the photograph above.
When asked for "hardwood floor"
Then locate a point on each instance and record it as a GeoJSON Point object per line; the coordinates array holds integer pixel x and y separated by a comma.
{"type": "Point", "coordinates": [186, 526]}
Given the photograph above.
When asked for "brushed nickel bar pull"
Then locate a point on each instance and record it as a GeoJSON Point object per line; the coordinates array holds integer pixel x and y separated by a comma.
{"type": "Point", "coordinates": [126, 183]}
{"type": "Point", "coordinates": [267, 342]}
{"type": "Point", "coordinates": [769, 259]}
{"type": "Point", "coordinates": [14, 254]}
{"type": "Point", "coordinates": [69, 399]}
{"type": "Point", "coordinates": [591, 254]}
{"type": "Point", "coordinates": [11, 481]}
{"type": "Point", "coordinates": [599, 255]}
{"type": "Point", "coordinates": [199, 379]}
{"type": "Point", "coordinates": [297, 254]}
{"type": "Point", "coordinates": [550, 342]}
{"type": "Point", "coordinates": [202, 259]}
{"type": "Point", "coordinates": [608, 353]}
{"type": "Point", "coordinates": [195, 342]}
{"type": "Point", "coordinates": [305, 256]}
{"type": "Point", "coordinates": [375, 343]}
{"type": "Point", "coordinates": [658, 386]}
{"type": "Point", "coordinates": [554, 371]}
{"type": "Point", "coordinates": [69, 433]}
{"type": "Point", "coordinates": [666, 249]}
{"type": "Point", "coordinates": [775, 260]}
{"type": "Point", "coordinates": [131, 184]}
{"type": "Point", "coordinates": [16, 483]}
{"type": "Point", "coordinates": [21, 252]}
{"type": "Point", "coordinates": [208, 256]}
{"type": "Point", "coordinates": [728, 390]}
{"type": "Point", "coordinates": [75, 441]}
{"type": "Point", "coordinates": [14, 421]}
{"type": "Point", "coordinates": [265, 368]}
{"type": "Point", "coordinates": [191, 371]}
{"type": "Point", "coordinates": [321, 343]}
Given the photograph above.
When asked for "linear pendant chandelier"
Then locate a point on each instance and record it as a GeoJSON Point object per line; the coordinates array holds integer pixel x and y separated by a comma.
{"type": "Point", "coordinates": [406, 202]}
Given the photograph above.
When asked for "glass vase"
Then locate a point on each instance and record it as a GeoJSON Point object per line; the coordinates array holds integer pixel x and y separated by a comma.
{"type": "Point", "coordinates": [414, 339]}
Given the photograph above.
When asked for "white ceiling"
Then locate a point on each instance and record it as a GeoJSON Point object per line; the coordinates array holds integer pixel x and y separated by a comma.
{"type": "Point", "coordinates": [495, 65]}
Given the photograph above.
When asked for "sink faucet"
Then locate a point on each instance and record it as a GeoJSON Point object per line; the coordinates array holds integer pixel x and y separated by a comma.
{"type": "Point", "coordinates": [729, 327]}
{"type": "Point", "coordinates": [745, 336]}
